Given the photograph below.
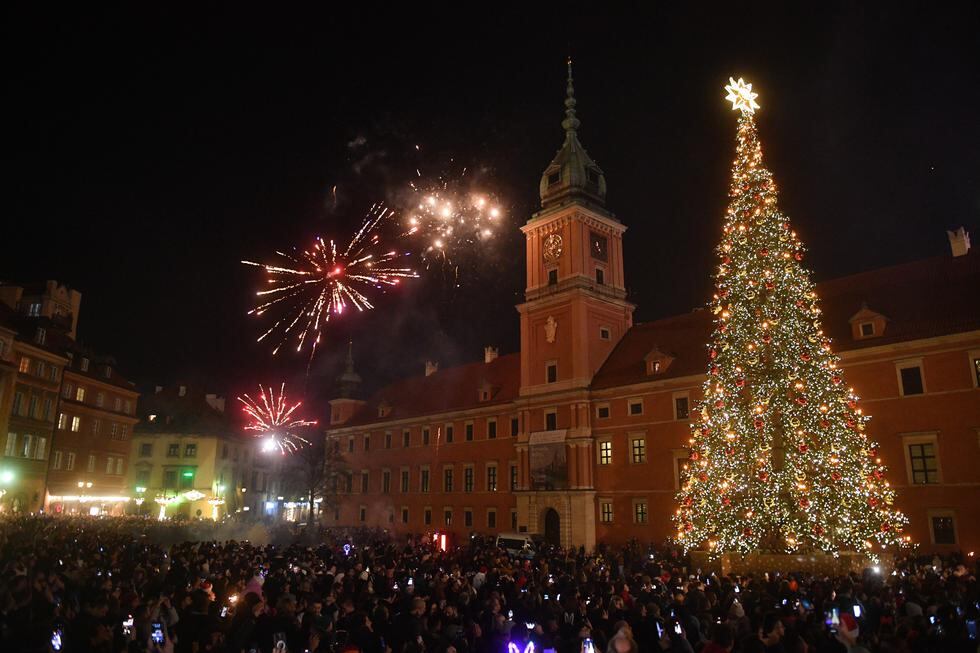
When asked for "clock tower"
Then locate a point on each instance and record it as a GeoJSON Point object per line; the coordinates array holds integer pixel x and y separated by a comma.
{"type": "Point", "coordinates": [575, 308]}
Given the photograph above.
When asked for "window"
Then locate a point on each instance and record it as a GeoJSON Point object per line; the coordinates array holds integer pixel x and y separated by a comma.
{"type": "Point", "coordinates": [638, 450]}
{"type": "Point", "coordinates": [18, 406]}
{"type": "Point", "coordinates": [922, 459]}
{"type": "Point", "coordinates": [406, 438]}
{"type": "Point", "coordinates": [405, 480]}
{"type": "Point", "coordinates": [388, 440]}
{"type": "Point", "coordinates": [447, 516]}
{"type": "Point", "coordinates": [80, 394]}
{"type": "Point", "coordinates": [173, 450]}
{"type": "Point", "coordinates": [53, 373]}
{"type": "Point", "coordinates": [91, 463]}
{"type": "Point", "coordinates": [39, 368]}
{"type": "Point", "coordinates": [513, 478]}
{"type": "Point", "coordinates": [84, 365]}
{"type": "Point", "coordinates": [40, 336]}
{"type": "Point", "coordinates": [40, 452]}
{"type": "Point", "coordinates": [48, 409]}
{"type": "Point", "coordinates": [34, 310]}
{"type": "Point", "coordinates": [32, 407]}
{"type": "Point", "coordinates": [76, 424]}
{"type": "Point", "coordinates": [605, 452]}
{"type": "Point", "coordinates": [491, 429]}
{"type": "Point", "coordinates": [27, 446]}
{"type": "Point", "coordinates": [56, 460]}
{"type": "Point", "coordinates": [110, 464]}
{"type": "Point", "coordinates": [11, 447]}
{"type": "Point", "coordinates": [25, 365]}
{"type": "Point", "coordinates": [910, 378]}
{"type": "Point", "coordinates": [551, 372]}
{"type": "Point", "coordinates": [142, 477]}
{"type": "Point", "coordinates": [469, 431]}
{"type": "Point", "coordinates": [554, 177]}
{"type": "Point", "coordinates": [117, 404]}
{"type": "Point", "coordinates": [427, 516]}
{"type": "Point", "coordinates": [349, 482]}
{"type": "Point", "coordinates": [367, 443]}
{"type": "Point", "coordinates": [680, 464]}
{"type": "Point", "coordinates": [70, 461]}
{"type": "Point", "coordinates": [362, 513]}
{"type": "Point", "coordinates": [600, 276]}
{"type": "Point", "coordinates": [449, 433]}
{"type": "Point", "coordinates": [190, 451]}
{"type": "Point", "coordinates": [491, 478]}
{"type": "Point", "coordinates": [447, 479]}
{"type": "Point", "coordinates": [606, 511]}
{"type": "Point", "coordinates": [386, 481]}
{"type": "Point", "coordinates": [468, 518]}
{"type": "Point", "coordinates": [97, 426]}
{"type": "Point", "coordinates": [350, 445]}
{"type": "Point", "coordinates": [513, 519]}
{"type": "Point", "coordinates": [515, 426]}
{"type": "Point", "coordinates": [424, 480]}
{"type": "Point", "coordinates": [119, 466]}
{"type": "Point", "coordinates": [553, 277]}
{"type": "Point", "coordinates": [942, 524]}
{"type": "Point", "coordinates": [365, 481]}
{"type": "Point", "coordinates": [867, 329]}
{"type": "Point", "coordinates": [975, 359]}
{"type": "Point", "coordinates": [605, 333]}
{"type": "Point", "coordinates": [66, 390]}
{"type": "Point", "coordinates": [639, 511]}
{"type": "Point", "coordinates": [62, 421]}
{"type": "Point", "coordinates": [146, 450]}
{"type": "Point", "coordinates": [602, 411]}
{"type": "Point", "coordinates": [224, 451]}
{"type": "Point", "coordinates": [681, 407]}
{"type": "Point", "coordinates": [425, 437]}
{"type": "Point", "coordinates": [127, 407]}
{"type": "Point", "coordinates": [551, 420]}
{"type": "Point", "coordinates": [404, 515]}
{"type": "Point", "coordinates": [467, 479]}
{"type": "Point", "coordinates": [635, 406]}
{"type": "Point", "coordinates": [100, 399]}
{"type": "Point", "coordinates": [491, 518]}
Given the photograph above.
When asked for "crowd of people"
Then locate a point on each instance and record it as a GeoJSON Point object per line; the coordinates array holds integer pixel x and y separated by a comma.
{"type": "Point", "coordinates": [72, 584]}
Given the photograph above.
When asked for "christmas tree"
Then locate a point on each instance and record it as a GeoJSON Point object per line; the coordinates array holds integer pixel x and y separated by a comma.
{"type": "Point", "coordinates": [779, 455]}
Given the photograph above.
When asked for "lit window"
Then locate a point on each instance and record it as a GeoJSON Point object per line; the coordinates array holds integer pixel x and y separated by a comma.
{"type": "Point", "coordinates": [640, 512]}
{"type": "Point", "coordinates": [80, 394]}
{"type": "Point", "coordinates": [25, 365]}
{"type": "Point", "coordinates": [173, 450]}
{"type": "Point", "coordinates": [27, 446]}
{"type": "Point", "coordinates": [606, 512]}
{"type": "Point", "coordinates": [76, 424]}
{"type": "Point", "coordinates": [638, 450]}
{"type": "Point", "coordinates": [605, 452]}
{"type": "Point", "coordinates": [190, 450]}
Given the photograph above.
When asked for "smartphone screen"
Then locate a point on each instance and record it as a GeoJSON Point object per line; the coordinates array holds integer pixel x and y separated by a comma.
{"type": "Point", "coordinates": [56, 639]}
{"type": "Point", "coordinates": [127, 625]}
{"type": "Point", "coordinates": [156, 633]}
{"type": "Point", "coordinates": [588, 646]}
{"type": "Point", "coordinates": [660, 630]}
{"type": "Point", "coordinates": [677, 628]}
{"type": "Point", "coordinates": [857, 611]}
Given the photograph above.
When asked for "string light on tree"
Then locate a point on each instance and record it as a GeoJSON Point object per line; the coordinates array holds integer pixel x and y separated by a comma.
{"type": "Point", "coordinates": [779, 455]}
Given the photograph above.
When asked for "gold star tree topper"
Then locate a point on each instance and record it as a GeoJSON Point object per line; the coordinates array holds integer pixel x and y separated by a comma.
{"type": "Point", "coordinates": [741, 96]}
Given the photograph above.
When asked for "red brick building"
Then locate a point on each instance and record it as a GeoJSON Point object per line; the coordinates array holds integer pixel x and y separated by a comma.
{"type": "Point", "coordinates": [580, 435]}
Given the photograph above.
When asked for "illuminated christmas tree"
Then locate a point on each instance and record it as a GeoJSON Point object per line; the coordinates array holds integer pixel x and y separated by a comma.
{"type": "Point", "coordinates": [779, 456]}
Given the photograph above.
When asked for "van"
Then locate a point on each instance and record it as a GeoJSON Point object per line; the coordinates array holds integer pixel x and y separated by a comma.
{"type": "Point", "coordinates": [519, 545]}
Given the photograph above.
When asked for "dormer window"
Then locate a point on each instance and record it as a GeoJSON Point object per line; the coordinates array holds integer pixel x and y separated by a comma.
{"type": "Point", "coordinates": [867, 329]}
{"type": "Point", "coordinates": [40, 336]}
{"type": "Point", "coordinates": [867, 323]}
{"type": "Point", "coordinates": [384, 409]}
{"type": "Point", "coordinates": [108, 372]}
{"type": "Point", "coordinates": [657, 361]}
{"type": "Point", "coordinates": [84, 365]}
{"type": "Point", "coordinates": [554, 177]}
{"type": "Point", "coordinates": [485, 391]}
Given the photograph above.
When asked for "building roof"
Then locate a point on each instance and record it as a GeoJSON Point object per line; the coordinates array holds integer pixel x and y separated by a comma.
{"type": "Point", "coordinates": [922, 299]}
{"type": "Point", "coordinates": [454, 388]}
{"type": "Point", "coordinates": [189, 414]}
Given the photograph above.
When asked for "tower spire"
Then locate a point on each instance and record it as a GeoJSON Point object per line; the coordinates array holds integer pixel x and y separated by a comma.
{"type": "Point", "coordinates": [350, 380]}
{"type": "Point", "coordinates": [570, 123]}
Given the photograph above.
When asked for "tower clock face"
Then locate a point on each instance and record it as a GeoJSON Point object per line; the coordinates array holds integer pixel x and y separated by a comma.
{"type": "Point", "coordinates": [553, 247]}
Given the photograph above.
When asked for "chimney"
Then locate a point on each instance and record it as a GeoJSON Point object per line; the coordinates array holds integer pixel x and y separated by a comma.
{"type": "Point", "coordinates": [215, 402]}
{"type": "Point", "coordinates": [489, 354]}
{"type": "Point", "coordinates": [959, 241]}
{"type": "Point", "coordinates": [431, 367]}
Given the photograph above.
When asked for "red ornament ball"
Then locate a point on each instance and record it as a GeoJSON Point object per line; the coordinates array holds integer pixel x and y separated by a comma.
{"type": "Point", "coordinates": [703, 477]}
{"type": "Point", "coordinates": [688, 527]}
{"type": "Point", "coordinates": [805, 357]}
{"type": "Point", "coordinates": [885, 527]}
{"type": "Point", "coordinates": [804, 503]}
{"type": "Point", "coordinates": [770, 285]}
{"type": "Point", "coordinates": [759, 424]}
{"type": "Point", "coordinates": [726, 501]}
{"type": "Point", "coordinates": [763, 476]}
{"type": "Point", "coordinates": [818, 530]}
{"type": "Point", "coordinates": [824, 424]}
{"type": "Point", "coordinates": [713, 354]}
{"type": "Point", "coordinates": [803, 448]}
{"type": "Point", "coordinates": [763, 252]}
{"type": "Point", "coordinates": [798, 256]}
{"type": "Point", "coordinates": [836, 475]}
{"type": "Point", "coordinates": [836, 379]}
{"type": "Point", "coordinates": [695, 455]}
{"type": "Point", "coordinates": [720, 403]}
{"type": "Point", "coordinates": [747, 531]}
{"type": "Point", "coordinates": [872, 501]}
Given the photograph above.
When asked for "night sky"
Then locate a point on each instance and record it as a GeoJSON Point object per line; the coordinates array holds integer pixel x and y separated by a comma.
{"type": "Point", "coordinates": [152, 151]}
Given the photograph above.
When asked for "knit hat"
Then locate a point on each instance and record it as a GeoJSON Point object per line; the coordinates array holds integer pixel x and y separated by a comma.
{"type": "Point", "coordinates": [848, 626]}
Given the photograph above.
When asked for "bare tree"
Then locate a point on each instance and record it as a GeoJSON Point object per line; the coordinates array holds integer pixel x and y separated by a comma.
{"type": "Point", "coordinates": [315, 470]}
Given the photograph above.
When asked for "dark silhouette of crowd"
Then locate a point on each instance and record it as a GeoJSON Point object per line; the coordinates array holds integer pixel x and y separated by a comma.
{"type": "Point", "coordinates": [118, 585]}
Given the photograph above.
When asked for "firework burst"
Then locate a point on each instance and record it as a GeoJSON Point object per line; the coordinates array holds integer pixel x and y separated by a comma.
{"type": "Point", "coordinates": [272, 420]}
{"type": "Point", "coordinates": [324, 281]}
{"type": "Point", "coordinates": [450, 220]}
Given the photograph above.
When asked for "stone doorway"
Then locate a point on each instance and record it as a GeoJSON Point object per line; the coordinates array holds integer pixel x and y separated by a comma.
{"type": "Point", "coordinates": [552, 527]}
